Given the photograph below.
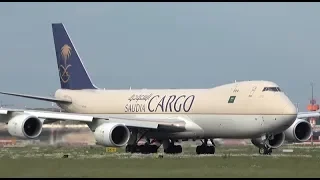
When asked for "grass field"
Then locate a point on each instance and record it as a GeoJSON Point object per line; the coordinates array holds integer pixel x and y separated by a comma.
{"type": "Point", "coordinates": [241, 161]}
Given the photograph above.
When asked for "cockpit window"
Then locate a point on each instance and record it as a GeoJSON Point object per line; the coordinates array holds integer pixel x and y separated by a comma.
{"type": "Point", "coordinates": [274, 89]}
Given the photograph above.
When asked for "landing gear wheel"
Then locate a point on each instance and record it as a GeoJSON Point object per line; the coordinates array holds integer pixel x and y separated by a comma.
{"type": "Point", "coordinates": [145, 149]}
{"type": "Point", "coordinates": [211, 149]}
{"type": "Point", "coordinates": [178, 149]}
{"type": "Point", "coordinates": [153, 148]}
{"type": "Point", "coordinates": [198, 150]}
{"type": "Point", "coordinates": [261, 150]}
{"type": "Point", "coordinates": [128, 148]}
{"type": "Point", "coordinates": [265, 151]}
{"type": "Point", "coordinates": [173, 149]}
{"type": "Point", "coordinates": [205, 149]}
{"type": "Point", "coordinates": [131, 148]}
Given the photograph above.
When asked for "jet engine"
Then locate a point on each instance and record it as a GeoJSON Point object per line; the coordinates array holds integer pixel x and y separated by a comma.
{"type": "Point", "coordinates": [112, 134]}
{"type": "Point", "coordinates": [299, 131]}
{"type": "Point", "coordinates": [25, 126]}
{"type": "Point", "coordinates": [273, 142]}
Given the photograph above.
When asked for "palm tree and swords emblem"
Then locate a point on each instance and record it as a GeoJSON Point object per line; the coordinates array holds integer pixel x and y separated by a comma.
{"type": "Point", "coordinates": [65, 53]}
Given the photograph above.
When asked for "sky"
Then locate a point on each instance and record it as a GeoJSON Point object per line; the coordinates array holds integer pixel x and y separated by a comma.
{"type": "Point", "coordinates": [192, 45]}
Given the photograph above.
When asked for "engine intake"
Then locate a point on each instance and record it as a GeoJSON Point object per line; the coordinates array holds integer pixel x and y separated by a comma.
{"type": "Point", "coordinates": [25, 126]}
{"type": "Point", "coordinates": [275, 142]}
{"type": "Point", "coordinates": [299, 131]}
{"type": "Point", "coordinates": [112, 134]}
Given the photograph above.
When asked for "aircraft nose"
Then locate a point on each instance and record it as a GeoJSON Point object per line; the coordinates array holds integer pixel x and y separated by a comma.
{"type": "Point", "coordinates": [290, 109]}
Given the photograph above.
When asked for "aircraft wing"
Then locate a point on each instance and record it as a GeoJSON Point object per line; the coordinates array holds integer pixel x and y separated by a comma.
{"type": "Point", "coordinates": [37, 97]}
{"type": "Point", "coordinates": [174, 125]}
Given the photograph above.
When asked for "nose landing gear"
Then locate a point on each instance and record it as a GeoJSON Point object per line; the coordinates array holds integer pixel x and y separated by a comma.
{"type": "Point", "coordinates": [265, 150]}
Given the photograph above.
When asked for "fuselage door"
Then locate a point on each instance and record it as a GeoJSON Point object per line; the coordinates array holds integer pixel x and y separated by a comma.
{"type": "Point", "coordinates": [253, 90]}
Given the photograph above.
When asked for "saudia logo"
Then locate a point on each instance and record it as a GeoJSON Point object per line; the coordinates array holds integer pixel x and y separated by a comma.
{"type": "Point", "coordinates": [63, 68]}
{"type": "Point", "coordinates": [157, 103]}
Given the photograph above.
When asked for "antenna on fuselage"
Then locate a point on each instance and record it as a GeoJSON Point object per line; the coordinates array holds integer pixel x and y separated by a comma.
{"type": "Point", "coordinates": [297, 106]}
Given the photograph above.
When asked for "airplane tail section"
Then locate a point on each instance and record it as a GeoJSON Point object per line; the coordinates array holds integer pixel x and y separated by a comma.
{"type": "Point", "coordinates": [72, 73]}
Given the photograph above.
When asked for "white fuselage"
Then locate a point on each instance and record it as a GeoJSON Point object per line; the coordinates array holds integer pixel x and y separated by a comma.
{"type": "Point", "coordinates": [253, 113]}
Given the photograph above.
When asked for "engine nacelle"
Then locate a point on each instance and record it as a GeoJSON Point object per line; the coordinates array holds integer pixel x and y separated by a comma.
{"type": "Point", "coordinates": [275, 142]}
{"type": "Point", "coordinates": [112, 134]}
{"type": "Point", "coordinates": [299, 131]}
{"type": "Point", "coordinates": [25, 126]}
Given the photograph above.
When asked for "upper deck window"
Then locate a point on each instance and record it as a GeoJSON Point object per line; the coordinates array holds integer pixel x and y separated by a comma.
{"type": "Point", "coordinates": [274, 89]}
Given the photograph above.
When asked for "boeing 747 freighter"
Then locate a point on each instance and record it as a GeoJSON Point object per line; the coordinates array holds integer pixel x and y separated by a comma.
{"type": "Point", "coordinates": [256, 110]}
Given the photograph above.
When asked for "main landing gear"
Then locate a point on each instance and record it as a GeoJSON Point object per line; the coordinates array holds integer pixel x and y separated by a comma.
{"type": "Point", "coordinates": [265, 150]}
{"type": "Point", "coordinates": [205, 149]}
{"type": "Point", "coordinates": [146, 148]}
{"type": "Point", "coordinates": [170, 148]}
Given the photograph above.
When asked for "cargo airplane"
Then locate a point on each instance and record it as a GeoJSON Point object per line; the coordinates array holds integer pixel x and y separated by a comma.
{"type": "Point", "coordinates": [256, 110]}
